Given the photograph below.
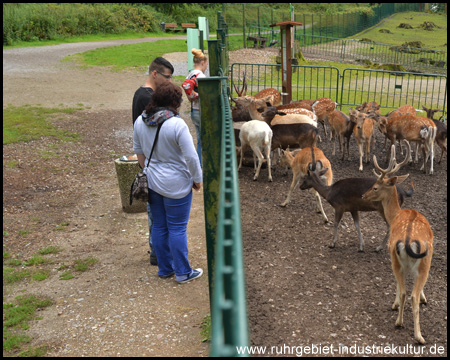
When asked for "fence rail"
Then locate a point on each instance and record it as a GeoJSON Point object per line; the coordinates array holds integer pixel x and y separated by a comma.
{"type": "Point", "coordinates": [390, 89]}
{"type": "Point", "coordinates": [229, 325]}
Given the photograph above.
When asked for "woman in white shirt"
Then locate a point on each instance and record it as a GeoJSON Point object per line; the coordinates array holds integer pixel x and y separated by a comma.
{"type": "Point", "coordinates": [200, 66]}
{"type": "Point", "coordinates": [174, 170]}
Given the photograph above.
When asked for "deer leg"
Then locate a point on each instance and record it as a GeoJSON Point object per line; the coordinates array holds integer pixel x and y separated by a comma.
{"type": "Point", "coordinates": [355, 216]}
{"type": "Point", "coordinates": [324, 129]}
{"type": "Point", "coordinates": [337, 219]}
{"type": "Point", "coordinates": [268, 162]}
{"type": "Point", "coordinates": [385, 240]}
{"type": "Point", "coordinates": [258, 153]}
{"type": "Point", "coordinates": [368, 151]}
{"type": "Point", "coordinates": [319, 205]}
{"type": "Point", "coordinates": [417, 295]}
{"type": "Point", "coordinates": [361, 154]}
{"type": "Point", "coordinates": [443, 148]}
{"type": "Point", "coordinates": [294, 184]}
{"type": "Point", "coordinates": [400, 296]}
{"type": "Point", "coordinates": [243, 149]}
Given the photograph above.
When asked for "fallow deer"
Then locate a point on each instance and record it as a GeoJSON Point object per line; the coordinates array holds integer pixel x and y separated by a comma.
{"type": "Point", "coordinates": [363, 132]}
{"type": "Point", "coordinates": [299, 165]}
{"type": "Point", "coordinates": [410, 240]}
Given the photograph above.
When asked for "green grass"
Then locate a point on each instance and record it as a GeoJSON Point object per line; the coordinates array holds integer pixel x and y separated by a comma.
{"type": "Point", "coordinates": [87, 38]}
{"type": "Point", "coordinates": [128, 56]}
{"type": "Point", "coordinates": [205, 331]}
{"type": "Point", "coordinates": [27, 123]}
{"type": "Point", "coordinates": [16, 316]}
{"type": "Point", "coordinates": [435, 39]}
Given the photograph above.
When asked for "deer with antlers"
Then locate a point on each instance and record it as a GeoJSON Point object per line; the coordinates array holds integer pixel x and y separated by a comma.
{"type": "Point", "coordinates": [410, 239]}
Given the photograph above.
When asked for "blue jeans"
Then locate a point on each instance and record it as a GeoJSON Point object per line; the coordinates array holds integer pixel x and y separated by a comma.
{"type": "Point", "coordinates": [196, 119]}
{"type": "Point", "coordinates": [150, 223]}
{"type": "Point", "coordinates": [169, 233]}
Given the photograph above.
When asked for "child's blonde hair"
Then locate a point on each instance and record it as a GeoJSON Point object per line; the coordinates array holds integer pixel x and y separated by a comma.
{"type": "Point", "coordinates": [198, 56]}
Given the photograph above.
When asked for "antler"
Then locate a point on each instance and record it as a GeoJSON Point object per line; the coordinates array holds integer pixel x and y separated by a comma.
{"type": "Point", "coordinates": [243, 91]}
{"type": "Point", "coordinates": [393, 166]}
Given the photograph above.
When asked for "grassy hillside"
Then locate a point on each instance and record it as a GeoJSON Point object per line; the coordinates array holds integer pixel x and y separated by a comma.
{"type": "Point", "coordinates": [435, 39]}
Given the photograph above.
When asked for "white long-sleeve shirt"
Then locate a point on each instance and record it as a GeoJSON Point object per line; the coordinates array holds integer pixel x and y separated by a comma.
{"type": "Point", "coordinates": [174, 165]}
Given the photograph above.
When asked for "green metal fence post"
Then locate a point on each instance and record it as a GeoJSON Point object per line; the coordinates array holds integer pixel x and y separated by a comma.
{"type": "Point", "coordinates": [211, 133]}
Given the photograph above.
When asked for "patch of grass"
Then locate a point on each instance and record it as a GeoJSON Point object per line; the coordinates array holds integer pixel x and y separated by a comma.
{"type": "Point", "coordinates": [67, 275]}
{"type": "Point", "coordinates": [27, 123]}
{"type": "Point", "coordinates": [84, 264]}
{"type": "Point", "coordinates": [128, 56]}
{"type": "Point", "coordinates": [205, 331]}
{"type": "Point", "coordinates": [16, 317]}
{"type": "Point", "coordinates": [62, 226]}
{"type": "Point", "coordinates": [40, 275]}
{"type": "Point", "coordinates": [11, 275]}
{"type": "Point", "coordinates": [23, 232]}
{"type": "Point", "coordinates": [36, 260]}
{"type": "Point", "coordinates": [50, 250]}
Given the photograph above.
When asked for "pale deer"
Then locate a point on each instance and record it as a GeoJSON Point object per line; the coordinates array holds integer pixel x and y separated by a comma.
{"type": "Point", "coordinates": [299, 165]}
{"type": "Point", "coordinates": [363, 132]}
{"type": "Point", "coordinates": [410, 240]}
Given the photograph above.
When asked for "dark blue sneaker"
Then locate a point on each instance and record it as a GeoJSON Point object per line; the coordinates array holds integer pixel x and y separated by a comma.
{"type": "Point", "coordinates": [196, 273]}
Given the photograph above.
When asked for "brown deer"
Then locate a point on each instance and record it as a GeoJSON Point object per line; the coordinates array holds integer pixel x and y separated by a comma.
{"type": "Point", "coordinates": [441, 135]}
{"type": "Point", "coordinates": [363, 132]}
{"type": "Point", "coordinates": [323, 107]}
{"type": "Point", "coordinates": [345, 196]}
{"type": "Point", "coordinates": [341, 129]}
{"type": "Point", "coordinates": [411, 128]}
{"type": "Point", "coordinates": [410, 240]}
{"type": "Point", "coordinates": [299, 165]}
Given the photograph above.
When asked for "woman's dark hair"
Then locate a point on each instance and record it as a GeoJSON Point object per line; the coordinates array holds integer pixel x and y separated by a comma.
{"type": "Point", "coordinates": [167, 95]}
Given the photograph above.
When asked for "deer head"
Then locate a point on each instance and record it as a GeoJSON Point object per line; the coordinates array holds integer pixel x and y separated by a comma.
{"type": "Point", "coordinates": [376, 191]}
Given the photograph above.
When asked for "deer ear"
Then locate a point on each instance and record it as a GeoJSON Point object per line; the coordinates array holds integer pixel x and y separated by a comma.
{"type": "Point", "coordinates": [319, 165]}
{"type": "Point", "coordinates": [402, 178]}
{"type": "Point", "coordinates": [281, 113]}
{"type": "Point", "coordinates": [323, 172]}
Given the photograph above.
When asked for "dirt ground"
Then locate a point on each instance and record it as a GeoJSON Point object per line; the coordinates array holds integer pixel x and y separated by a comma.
{"type": "Point", "coordinates": [299, 291]}
{"type": "Point", "coordinates": [120, 307]}
{"type": "Point", "coordinates": [303, 293]}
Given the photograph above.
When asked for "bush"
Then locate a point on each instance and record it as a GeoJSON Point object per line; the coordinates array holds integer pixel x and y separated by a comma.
{"type": "Point", "coordinates": [47, 21]}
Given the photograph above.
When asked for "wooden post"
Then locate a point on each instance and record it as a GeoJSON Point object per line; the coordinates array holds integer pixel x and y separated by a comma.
{"type": "Point", "coordinates": [286, 59]}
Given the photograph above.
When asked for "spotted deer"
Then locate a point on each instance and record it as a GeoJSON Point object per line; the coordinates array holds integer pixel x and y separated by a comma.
{"type": "Point", "coordinates": [299, 165]}
{"type": "Point", "coordinates": [410, 239]}
{"type": "Point", "coordinates": [342, 129]}
{"type": "Point", "coordinates": [363, 132]}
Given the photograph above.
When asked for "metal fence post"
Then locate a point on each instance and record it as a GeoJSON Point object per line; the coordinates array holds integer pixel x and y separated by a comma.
{"type": "Point", "coordinates": [211, 134]}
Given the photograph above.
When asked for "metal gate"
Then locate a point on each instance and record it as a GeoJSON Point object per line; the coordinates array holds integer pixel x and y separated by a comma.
{"type": "Point", "coordinates": [390, 89]}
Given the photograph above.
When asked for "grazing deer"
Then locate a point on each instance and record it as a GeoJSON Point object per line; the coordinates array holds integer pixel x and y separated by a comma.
{"type": "Point", "coordinates": [363, 132]}
{"type": "Point", "coordinates": [410, 240]}
{"type": "Point", "coordinates": [299, 165]}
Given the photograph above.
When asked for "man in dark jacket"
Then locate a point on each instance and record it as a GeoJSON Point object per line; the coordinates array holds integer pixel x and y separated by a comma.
{"type": "Point", "coordinates": [159, 72]}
